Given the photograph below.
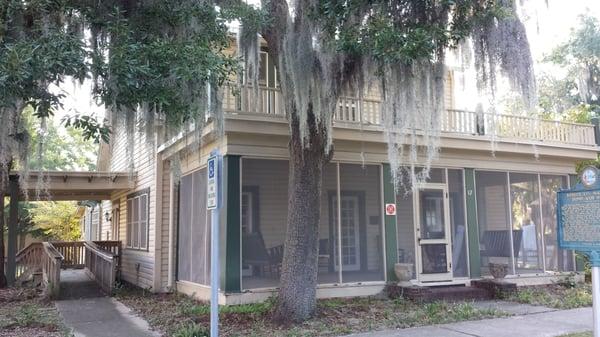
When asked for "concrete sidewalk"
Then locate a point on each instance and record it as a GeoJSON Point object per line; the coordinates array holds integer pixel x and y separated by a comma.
{"type": "Point", "coordinates": [102, 317]}
{"type": "Point", "coordinates": [543, 323]}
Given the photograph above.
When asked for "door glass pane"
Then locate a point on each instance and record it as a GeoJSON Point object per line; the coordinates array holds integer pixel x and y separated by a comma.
{"type": "Point", "coordinates": [434, 258]}
{"type": "Point", "coordinates": [493, 218]}
{"type": "Point", "coordinates": [527, 227]}
{"type": "Point", "coordinates": [432, 214]}
{"type": "Point", "coordinates": [436, 175]}
{"type": "Point", "coordinates": [458, 224]}
{"type": "Point", "coordinates": [361, 223]}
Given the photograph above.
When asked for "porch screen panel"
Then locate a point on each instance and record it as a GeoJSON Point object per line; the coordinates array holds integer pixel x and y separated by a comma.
{"type": "Point", "coordinates": [264, 218]}
{"type": "Point", "coordinates": [525, 210]}
{"type": "Point", "coordinates": [405, 228]}
{"type": "Point", "coordinates": [199, 231]}
{"type": "Point", "coordinates": [556, 259]}
{"type": "Point", "coordinates": [184, 231]}
{"type": "Point", "coordinates": [328, 257]}
{"type": "Point", "coordinates": [194, 234]}
{"type": "Point", "coordinates": [361, 223]}
{"type": "Point", "coordinates": [493, 217]}
{"type": "Point", "coordinates": [458, 225]}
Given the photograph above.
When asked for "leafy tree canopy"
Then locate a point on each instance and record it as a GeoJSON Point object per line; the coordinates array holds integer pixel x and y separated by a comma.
{"type": "Point", "coordinates": [576, 96]}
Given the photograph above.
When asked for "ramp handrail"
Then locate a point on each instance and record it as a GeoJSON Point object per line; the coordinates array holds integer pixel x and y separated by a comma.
{"type": "Point", "coordinates": [101, 265]}
{"type": "Point", "coordinates": [51, 264]}
{"type": "Point", "coordinates": [29, 259]}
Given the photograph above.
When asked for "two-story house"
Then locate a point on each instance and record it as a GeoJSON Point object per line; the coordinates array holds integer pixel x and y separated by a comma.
{"type": "Point", "coordinates": [477, 207]}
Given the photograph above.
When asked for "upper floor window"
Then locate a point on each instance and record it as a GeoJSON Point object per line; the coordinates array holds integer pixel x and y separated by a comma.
{"type": "Point", "coordinates": [137, 220]}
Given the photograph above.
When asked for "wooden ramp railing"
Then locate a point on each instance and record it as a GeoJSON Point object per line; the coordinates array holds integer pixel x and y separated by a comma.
{"type": "Point", "coordinates": [101, 265]}
{"type": "Point", "coordinates": [51, 265]}
{"type": "Point", "coordinates": [101, 259]}
{"type": "Point", "coordinates": [28, 261]}
{"type": "Point", "coordinates": [74, 252]}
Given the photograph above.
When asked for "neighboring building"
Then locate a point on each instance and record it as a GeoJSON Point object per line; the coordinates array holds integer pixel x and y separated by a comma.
{"type": "Point", "coordinates": [476, 208]}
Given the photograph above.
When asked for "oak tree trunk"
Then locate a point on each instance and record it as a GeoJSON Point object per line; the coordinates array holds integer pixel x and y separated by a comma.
{"type": "Point", "coordinates": [297, 295]}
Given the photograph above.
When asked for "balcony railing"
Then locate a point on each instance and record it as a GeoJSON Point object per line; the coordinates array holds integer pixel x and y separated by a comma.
{"type": "Point", "coordinates": [353, 111]}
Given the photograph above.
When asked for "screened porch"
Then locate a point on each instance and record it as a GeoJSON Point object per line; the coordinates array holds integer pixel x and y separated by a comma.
{"type": "Point", "coordinates": [350, 231]}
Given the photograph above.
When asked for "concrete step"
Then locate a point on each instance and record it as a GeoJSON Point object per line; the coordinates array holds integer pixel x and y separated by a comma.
{"type": "Point", "coordinates": [442, 293]}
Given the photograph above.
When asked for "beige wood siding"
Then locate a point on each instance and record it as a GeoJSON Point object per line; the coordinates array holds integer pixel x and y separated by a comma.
{"type": "Point", "coordinates": [137, 265]}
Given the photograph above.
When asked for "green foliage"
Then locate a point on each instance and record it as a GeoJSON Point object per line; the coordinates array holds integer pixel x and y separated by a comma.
{"type": "Point", "coordinates": [557, 296]}
{"type": "Point", "coordinates": [576, 97]}
{"type": "Point", "coordinates": [192, 330]}
{"type": "Point", "coordinates": [61, 149]}
{"type": "Point", "coordinates": [419, 30]}
{"type": "Point", "coordinates": [58, 220]}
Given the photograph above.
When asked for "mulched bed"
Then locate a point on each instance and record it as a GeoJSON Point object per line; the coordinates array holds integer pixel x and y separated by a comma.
{"type": "Point", "coordinates": [24, 312]}
{"type": "Point", "coordinates": [174, 313]}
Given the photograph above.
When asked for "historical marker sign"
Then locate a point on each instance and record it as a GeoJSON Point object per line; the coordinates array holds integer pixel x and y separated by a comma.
{"type": "Point", "coordinates": [579, 215]}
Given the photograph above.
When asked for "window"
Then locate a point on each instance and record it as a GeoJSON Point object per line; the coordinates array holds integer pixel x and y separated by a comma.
{"type": "Point", "coordinates": [137, 220]}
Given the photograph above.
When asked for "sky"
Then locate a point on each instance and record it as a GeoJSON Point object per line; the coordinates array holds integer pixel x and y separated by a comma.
{"type": "Point", "coordinates": [548, 23]}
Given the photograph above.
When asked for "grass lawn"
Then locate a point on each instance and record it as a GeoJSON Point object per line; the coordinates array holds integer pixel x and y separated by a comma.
{"type": "Point", "coordinates": [579, 334]}
{"type": "Point", "coordinates": [560, 296]}
{"type": "Point", "coordinates": [23, 313]}
{"type": "Point", "coordinates": [180, 316]}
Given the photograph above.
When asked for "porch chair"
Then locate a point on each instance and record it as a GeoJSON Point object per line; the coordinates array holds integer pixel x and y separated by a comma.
{"type": "Point", "coordinates": [496, 243]}
{"type": "Point", "coordinates": [258, 257]}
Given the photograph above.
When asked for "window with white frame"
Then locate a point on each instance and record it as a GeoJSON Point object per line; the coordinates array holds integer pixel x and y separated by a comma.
{"type": "Point", "coordinates": [137, 220]}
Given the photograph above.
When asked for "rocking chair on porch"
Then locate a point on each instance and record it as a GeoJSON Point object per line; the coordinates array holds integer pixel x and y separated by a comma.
{"type": "Point", "coordinates": [258, 257]}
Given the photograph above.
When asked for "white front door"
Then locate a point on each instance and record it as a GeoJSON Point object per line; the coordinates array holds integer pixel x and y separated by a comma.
{"type": "Point", "coordinates": [349, 232]}
{"type": "Point", "coordinates": [433, 233]}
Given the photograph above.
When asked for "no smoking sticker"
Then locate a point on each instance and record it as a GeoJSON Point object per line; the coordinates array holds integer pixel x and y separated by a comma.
{"type": "Point", "coordinates": [390, 209]}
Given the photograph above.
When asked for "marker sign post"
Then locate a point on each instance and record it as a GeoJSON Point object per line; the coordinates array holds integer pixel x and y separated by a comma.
{"type": "Point", "coordinates": [213, 203]}
{"type": "Point", "coordinates": [578, 215]}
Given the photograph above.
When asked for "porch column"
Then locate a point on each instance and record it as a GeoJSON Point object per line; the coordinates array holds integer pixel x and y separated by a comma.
{"type": "Point", "coordinates": [230, 225]}
{"type": "Point", "coordinates": [472, 224]}
{"type": "Point", "coordinates": [13, 219]}
{"type": "Point", "coordinates": [391, 244]}
{"type": "Point", "coordinates": [579, 261]}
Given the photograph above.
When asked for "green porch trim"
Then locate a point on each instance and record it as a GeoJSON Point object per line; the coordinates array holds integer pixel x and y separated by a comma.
{"type": "Point", "coordinates": [391, 244]}
{"type": "Point", "coordinates": [579, 259]}
{"type": "Point", "coordinates": [230, 226]}
{"type": "Point", "coordinates": [472, 224]}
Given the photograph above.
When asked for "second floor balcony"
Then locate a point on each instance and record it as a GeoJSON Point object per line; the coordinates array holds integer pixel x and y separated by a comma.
{"type": "Point", "coordinates": [358, 113]}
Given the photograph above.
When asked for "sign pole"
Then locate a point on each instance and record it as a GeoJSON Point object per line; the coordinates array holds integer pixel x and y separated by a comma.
{"type": "Point", "coordinates": [596, 299]}
{"type": "Point", "coordinates": [213, 201]}
{"type": "Point", "coordinates": [595, 261]}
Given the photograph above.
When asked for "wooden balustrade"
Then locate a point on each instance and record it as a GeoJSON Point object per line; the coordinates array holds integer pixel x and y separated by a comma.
{"type": "Point", "coordinates": [113, 247]}
{"type": "Point", "coordinates": [367, 111]}
{"type": "Point", "coordinates": [101, 265]}
{"type": "Point", "coordinates": [29, 260]}
{"type": "Point", "coordinates": [51, 265]}
{"type": "Point", "coordinates": [73, 253]}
